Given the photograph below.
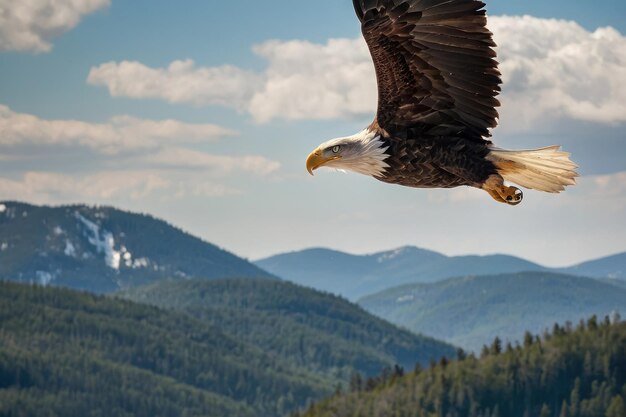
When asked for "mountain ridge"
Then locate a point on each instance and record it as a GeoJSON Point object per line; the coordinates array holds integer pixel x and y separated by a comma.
{"type": "Point", "coordinates": [354, 276]}
{"type": "Point", "coordinates": [476, 309]}
{"type": "Point", "coordinates": [104, 249]}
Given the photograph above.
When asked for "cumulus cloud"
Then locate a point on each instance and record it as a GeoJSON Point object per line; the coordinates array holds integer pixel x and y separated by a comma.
{"type": "Point", "coordinates": [30, 25]}
{"type": "Point", "coordinates": [552, 69]}
{"type": "Point", "coordinates": [180, 82]}
{"type": "Point", "coordinates": [556, 69]}
{"type": "Point", "coordinates": [306, 80]}
{"type": "Point", "coordinates": [119, 133]}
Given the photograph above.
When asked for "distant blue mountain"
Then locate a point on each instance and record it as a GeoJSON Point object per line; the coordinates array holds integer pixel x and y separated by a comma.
{"type": "Point", "coordinates": [611, 267]}
{"type": "Point", "coordinates": [354, 276]}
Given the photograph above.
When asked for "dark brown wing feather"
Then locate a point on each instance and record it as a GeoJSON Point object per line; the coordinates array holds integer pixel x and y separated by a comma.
{"type": "Point", "coordinates": [434, 64]}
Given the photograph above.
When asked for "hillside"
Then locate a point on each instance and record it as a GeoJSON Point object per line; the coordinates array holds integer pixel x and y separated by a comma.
{"type": "Point", "coordinates": [101, 249]}
{"type": "Point", "coordinates": [616, 282]}
{"type": "Point", "coordinates": [575, 373]}
{"type": "Point", "coordinates": [471, 311]}
{"type": "Point", "coordinates": [320, 332]}
{"type": "Point", "coordinates": [612, 267]}
{"type": "Point", "coordinates": [354, 276]}
{"type": "Point", "coordinates": [73, 354]}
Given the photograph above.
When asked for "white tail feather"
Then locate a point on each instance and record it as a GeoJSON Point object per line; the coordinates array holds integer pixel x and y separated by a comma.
{"type": "Point", "coordinates": [546, 169]}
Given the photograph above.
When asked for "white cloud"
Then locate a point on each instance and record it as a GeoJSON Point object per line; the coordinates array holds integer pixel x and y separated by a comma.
{"type": "Point", "coordinates": [49, 187]}
{"type": "Point", "coordinates": [119, 133]}
{"type": "Point", "coordinates": [29, 25]}
{"type": "Point", "coordinates": [180, 82]}
{"type": "Point", "coordinates": [105, 187]}
{"type": "Point", "coordinates": [164, 168]}
{"type": "Point", "coordinates": [552, 69]}
{"type": "Point", "coordinates": [181, 158]}
{"type": "Point", "coordinates": [306, 80]}
{"type": "Point", "coordinates": [610, 185]}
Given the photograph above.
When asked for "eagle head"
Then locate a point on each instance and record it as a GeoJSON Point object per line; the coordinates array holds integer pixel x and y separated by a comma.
{"type": "Point", "coordinates": [363, 153]}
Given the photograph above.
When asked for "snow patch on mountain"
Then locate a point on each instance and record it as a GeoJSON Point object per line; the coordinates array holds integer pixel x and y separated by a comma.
{"type": "Point", "coordinates": [405, 299]}
{"type": "Point", "coordinates": [140, 263]}
{"type": "Point", "coordinates": [3, 208]}
{"type": "Point", "coordinates": [387, 256]}
{"type": "Point", "coordinates": [4, 246]}
{"type": "Point", "coordinates": [70, 250]}
{"type": "Point", "coordinates": [103, 241]}
{"type": "Point", "coordinates": [44, 278]}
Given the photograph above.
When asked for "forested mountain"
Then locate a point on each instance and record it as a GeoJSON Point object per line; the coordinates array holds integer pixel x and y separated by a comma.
{"type": "Point", "coordinates": [354, 276]}
{"type": "Point", "coordinates": [471, 311]}
{"type": "Point", "coordinates": [66, 354]}
{"type": "Point", "coordinates": [573, 373]}
{"type": "Point", "coordinates": [101, 249]}
{"type": "Point", "coordinates": [320, 332]}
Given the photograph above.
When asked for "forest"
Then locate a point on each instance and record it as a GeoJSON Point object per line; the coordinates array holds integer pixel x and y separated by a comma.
{"type": "Point", "coordinates": [65, 353]}
{"type": "Point", "coordinates": [573, 371]}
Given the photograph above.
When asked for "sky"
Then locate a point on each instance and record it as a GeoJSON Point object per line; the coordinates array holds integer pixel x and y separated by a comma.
{"type": "Point", "coordinates": [203, 113]}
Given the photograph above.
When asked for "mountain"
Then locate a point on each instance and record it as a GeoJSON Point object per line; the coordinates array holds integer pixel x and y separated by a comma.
{"type": "Point", "coordinates": [354, 276]}
{"type": "Point", "coordinates": [319, 332]}
{"type": "Point", "coordinates": [612, 267]}
{"type": "Point", "coordinates": [575, 373]}
{"type": "Point", "coordinates": [616, 282]}
{"type": "Point", "coordinates": [471, 311]}
{"type": "Point", "coordinates": [74, 354]}
{"type": "Point", "coordinates": [102, 249]}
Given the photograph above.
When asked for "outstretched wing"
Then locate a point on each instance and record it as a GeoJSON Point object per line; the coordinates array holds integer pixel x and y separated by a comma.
{"type": "Point", "coordinates": [434, 64]}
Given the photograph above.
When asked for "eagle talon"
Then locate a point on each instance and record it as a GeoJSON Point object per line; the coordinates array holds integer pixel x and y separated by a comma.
{"type": "Point", "coordinates": [514, 196]}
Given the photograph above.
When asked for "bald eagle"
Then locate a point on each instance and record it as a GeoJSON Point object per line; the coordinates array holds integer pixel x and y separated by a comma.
{"type": "Point", "coordinates": [437, 85]}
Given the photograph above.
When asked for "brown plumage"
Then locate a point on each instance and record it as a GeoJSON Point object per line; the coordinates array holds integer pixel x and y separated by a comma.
{"type": "Point", "coordinates": [437, 85]}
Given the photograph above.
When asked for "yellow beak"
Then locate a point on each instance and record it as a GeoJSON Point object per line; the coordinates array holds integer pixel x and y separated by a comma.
{"type": "Point", "coordinates": [316, 160]}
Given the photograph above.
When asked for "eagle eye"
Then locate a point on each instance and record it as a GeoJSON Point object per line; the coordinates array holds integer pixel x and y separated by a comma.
{"type": "Point", "coordinates": [336, 149]}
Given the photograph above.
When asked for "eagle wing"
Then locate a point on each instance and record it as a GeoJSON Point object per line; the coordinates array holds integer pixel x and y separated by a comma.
{"type": "Point", "coordinates": [435, 65]}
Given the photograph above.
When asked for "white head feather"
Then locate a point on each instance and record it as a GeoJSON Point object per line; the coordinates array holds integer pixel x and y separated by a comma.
{"type": "Point", "coordinates": [363, 153]}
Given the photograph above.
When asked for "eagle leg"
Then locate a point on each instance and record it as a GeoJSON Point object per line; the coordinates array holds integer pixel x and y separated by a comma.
{"type": "Point", "coordinates": [502, 193]}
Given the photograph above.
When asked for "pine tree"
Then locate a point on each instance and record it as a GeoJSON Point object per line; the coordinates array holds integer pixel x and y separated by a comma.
{"type": "Point", "coordinates": [528, 339]}
{"type": "Point", "coordinates": [496, 346]}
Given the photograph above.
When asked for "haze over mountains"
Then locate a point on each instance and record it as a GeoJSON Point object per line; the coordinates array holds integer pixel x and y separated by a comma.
{"type": "Point", "coordinates": [355, 276]}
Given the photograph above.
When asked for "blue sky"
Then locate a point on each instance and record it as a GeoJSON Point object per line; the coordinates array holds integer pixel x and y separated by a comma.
{"type": "Point", "coordinates": [85, 103]}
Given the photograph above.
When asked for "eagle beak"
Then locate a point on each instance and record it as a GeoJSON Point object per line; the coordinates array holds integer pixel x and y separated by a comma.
{"type": "Point", "coordinates": [316, 160]}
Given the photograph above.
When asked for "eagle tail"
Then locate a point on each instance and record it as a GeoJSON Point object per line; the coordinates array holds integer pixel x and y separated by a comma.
{"type": "Point", "coordinates": [547, 169]}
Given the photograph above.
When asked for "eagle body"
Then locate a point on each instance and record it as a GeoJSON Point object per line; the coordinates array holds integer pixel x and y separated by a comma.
{"type": "Point", "coordinates": [437, 86]}
{"type": "Point", "coordinates": [436, 162]}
